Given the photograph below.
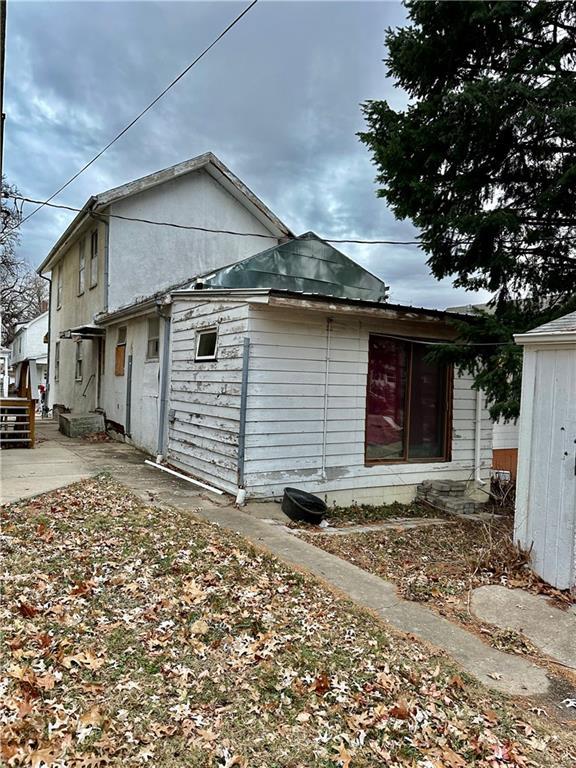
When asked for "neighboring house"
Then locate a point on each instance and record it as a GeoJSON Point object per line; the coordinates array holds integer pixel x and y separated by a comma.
{"type": "Point", "coordinates": [4, 371]}
{"type": "Point", "coordinates": [545, 519]}
{"type": "Point", "coordinates": [29, 352]}
{"type": "Point", "coordinates": [289, 368]}
{"type": "Point", "coordinates": [4, 363]}
{"type": "Point", "coordinates": [105, 261]}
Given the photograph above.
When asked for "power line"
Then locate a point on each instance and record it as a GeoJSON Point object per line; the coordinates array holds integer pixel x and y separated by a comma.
{"type": "Point", "coordinates": [144, 111]}
{"type": "Point", "coordinates": [196, 228]}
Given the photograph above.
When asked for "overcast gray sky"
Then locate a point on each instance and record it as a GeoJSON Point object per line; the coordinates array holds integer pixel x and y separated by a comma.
{"type": "Point", "coordinates": [278, 100]}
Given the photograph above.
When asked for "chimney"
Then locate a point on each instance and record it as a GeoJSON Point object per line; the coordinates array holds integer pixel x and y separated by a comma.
{"type": "Point", "coordinates": [43, 306]}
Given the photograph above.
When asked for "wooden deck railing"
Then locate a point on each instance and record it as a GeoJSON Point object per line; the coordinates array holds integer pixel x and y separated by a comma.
{"type": "Point", "coordinates": [17, 422]}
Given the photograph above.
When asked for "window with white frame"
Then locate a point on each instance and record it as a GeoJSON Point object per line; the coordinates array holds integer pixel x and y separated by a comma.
{"type": "Point", "coordinates": [153, 346]}
{"type": "Point", "coordinates": [81, 265]}
{"type": "Point", "coordinates": [79, 361]}
{"type": "Point", "coordinates": [59, 287]}
{"type": "Point", "coordinates": [206, 344]}
{"type": "Point", "coordinates": [94, 259]}
{"type": "Point", "coordinates": [57, 361]}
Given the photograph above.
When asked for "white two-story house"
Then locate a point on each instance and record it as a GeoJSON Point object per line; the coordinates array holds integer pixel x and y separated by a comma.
{"type": "Point", "coordinates": [29, 347]}
{"type": "Point", "coordinates": [125, 246]}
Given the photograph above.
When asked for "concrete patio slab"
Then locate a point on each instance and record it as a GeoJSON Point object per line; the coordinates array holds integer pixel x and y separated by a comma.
{"type": "Point", "coordinates": [551, 629]}
{"type": "Point", "coordinates": [30, 471]}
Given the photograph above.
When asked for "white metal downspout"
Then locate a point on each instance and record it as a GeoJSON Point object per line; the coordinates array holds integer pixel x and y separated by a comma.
{"type": "Point", "coordinates": [326, 378]}
{"type": "Point", "coordinates": [478, 440]}
{"type": "Point", "coordinates": [164, 383]}
{"type": "Point", "coordinates": [106, 264]}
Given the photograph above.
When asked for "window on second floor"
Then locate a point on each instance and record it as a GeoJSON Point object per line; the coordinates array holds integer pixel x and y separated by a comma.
{"type": "Point", "coordinates": [79, 361]}
{"type": "Point", "coordinates": [94, 259]}
{"type": "Point", "coordinates": [81, 265]}
{"type": "Point", "coordinates": [153, 346]}
{"type": "Point", "coordinates": [59, 287]}
{"type": "Point", "coordinates": [57, 361]}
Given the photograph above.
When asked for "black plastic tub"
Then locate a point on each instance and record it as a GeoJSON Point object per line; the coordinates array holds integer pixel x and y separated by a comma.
{"type": "Point", "coordinates": [302, 506]}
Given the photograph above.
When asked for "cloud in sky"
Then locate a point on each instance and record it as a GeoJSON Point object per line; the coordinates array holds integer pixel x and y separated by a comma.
{"type": "Point", "coordinates": [278, 100]}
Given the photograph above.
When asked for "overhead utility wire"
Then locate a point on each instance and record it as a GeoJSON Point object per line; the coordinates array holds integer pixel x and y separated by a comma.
{"type": "Point", "coordinates": [192, 227]}
{"type": "Point", "coordinates": [143, 112]}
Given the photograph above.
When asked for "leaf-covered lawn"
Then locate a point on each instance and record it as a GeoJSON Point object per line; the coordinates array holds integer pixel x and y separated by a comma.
{"type": "Point", "coordinates": [135, 635]}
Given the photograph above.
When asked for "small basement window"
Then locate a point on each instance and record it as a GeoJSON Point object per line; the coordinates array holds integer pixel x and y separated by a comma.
{"type": "Point", "coordinates": [153, 347]}
{"type": "Point", "coordinates": [206, 344]}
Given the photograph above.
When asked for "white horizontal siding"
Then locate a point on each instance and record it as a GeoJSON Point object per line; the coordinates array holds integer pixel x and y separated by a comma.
{"type": "Point", "coordinates": [205, 396]}
{"type": "Point", "coordinates": [505, 435]}
{"type": "Point", "coordinates": [287, 401]}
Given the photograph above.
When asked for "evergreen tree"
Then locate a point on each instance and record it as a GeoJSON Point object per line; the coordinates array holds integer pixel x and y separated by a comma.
{"type": "Point", "coordinates": [483, 161]}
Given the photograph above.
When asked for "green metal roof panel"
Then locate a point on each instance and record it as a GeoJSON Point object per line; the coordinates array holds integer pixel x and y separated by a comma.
{"type": "Point", "coordinates": [306, 264]}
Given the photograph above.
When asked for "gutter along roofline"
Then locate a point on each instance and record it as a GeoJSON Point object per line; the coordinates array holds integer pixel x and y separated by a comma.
{"type": "Point", "coordinates": [557, 337]}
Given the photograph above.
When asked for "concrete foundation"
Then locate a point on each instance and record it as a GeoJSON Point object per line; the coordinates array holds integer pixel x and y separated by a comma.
{"type": "Point", "coordinates": [78, 425]}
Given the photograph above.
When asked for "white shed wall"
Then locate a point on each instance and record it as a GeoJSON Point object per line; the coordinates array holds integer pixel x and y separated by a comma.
{"type": "Point", "coordinates": [288, 442]}
{"type": "Point", "coordinates": [204, 414]}
{"type": "Point", "coordinates": [145, 259]}
{"type": "Point", "coordinates": [545, 519]}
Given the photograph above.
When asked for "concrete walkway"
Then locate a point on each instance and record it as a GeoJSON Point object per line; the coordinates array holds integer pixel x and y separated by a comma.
{"type": "Point", "coordinates": [550, 629]}
{"type": "Point", "coordinates": [504, 672]}
{"type": "Point", "coordinates": [27, 472]}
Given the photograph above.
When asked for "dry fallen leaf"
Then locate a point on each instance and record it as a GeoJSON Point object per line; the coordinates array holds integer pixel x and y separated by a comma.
{"type": "Point", "coordinates": [343, 756]}
{"type": "Point", "coordinates": [199, 627]}
{"type": "Point", "coordinates": [400, 710]}
{"type": "Point", "coordinates": [322, 684]}
{"type": "Point", "coordinates": [92, 717]}
{"type": "Point", "coordinates": [27, 610]}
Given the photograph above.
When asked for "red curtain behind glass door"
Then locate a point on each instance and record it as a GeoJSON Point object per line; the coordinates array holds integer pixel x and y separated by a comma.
{"type": "Point", "coordinates": [385, 399]}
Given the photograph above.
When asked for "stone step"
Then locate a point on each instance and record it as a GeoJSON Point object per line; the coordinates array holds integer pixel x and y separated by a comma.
{"type": "Point", "coordinates": [449, 496]}
{"type": "Point", "coordinates": [78, 425]}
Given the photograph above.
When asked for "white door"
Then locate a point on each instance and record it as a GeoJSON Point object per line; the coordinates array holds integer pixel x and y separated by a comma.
{"type": "Point", "coordinates": [551, 500]}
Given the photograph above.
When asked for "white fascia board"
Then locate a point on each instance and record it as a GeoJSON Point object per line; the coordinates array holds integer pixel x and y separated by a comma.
{"type": "Point", "coordinates": [71, 230]}
{"type": "Point", "coordinates": [205, 294]}
{"type": "Point", "coordinates": [535, 339]}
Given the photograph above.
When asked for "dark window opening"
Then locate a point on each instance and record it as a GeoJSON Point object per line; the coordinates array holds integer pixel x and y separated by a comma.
{"type": "Point", "coordinates": [407, 404]}
{"type": "Point", "coordinates": [206, 344]}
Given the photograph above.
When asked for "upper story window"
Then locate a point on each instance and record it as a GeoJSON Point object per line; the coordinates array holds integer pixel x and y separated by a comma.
{"type": "Point", "coordinates": [79, 362]}
{"type": "Point", "coordinates": [407, 403]}
{"type": "Point", "coordinates": [59, 287]}
{"type": "Point", "coordinates": [120, 353]}
{"type": "Point", "coordinates": [206, 344]}
{"type": "Point", "coordinates": [153, 346]}
{"type": "Point", "coordinates": [94, 259]}
{"type": "Point", "coordinates": [81, 265]}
